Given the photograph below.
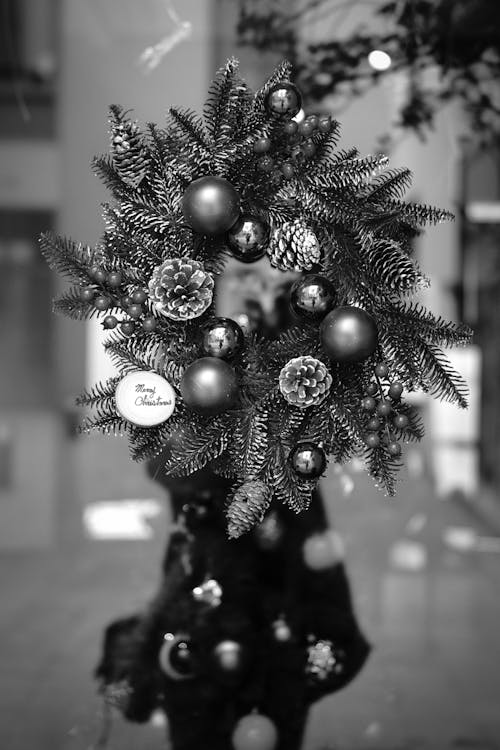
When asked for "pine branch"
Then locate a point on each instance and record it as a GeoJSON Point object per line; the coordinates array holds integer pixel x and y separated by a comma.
{"type": "Point", "coordinates": [391, 184]}
{"type": "Point", "coordinates": [215, 108]}
{"type": "Point", "coordinates": [69, 258]}
{"type": "Point", "coordinates": [382, 467]}
{"type": "Point", "coordinates": [71, 304]}
{"type": "Point", "coordinates": [282, 73]}
{"type": "Point", "coordinates": [435, 330]}
{"type": "Point", "coordinates": [199, 445]}
{"type": "Point", "coordinates": [192, 128]}
{"type": "Point", "coordinates": [107, 424]}
{"type": "Point", "coordinates": [100, 395]}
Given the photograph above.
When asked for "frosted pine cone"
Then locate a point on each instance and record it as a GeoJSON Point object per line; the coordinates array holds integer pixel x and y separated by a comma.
{"type": "Point", "coordinates": [130, 155]}
{"type": "Point", "coordinates": [181, 289]}
{"type": "Point", "coordinates": [294, 247]}
{"type": "Point", "coordinates": [247, 508]}
{"type": "Point", "coordinates": [304, 381]}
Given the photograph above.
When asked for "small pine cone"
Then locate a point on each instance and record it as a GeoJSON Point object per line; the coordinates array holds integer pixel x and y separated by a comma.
{"type": "Point", "coordinates": [304, 381]}
{"type": "Point", "coordinates": [181, 289]}
{"type": "Point", "coordinates": [247, 508]}
{"type": "Point", "coordinates": [294, 247]}
{"type": "Point", "coordinates": [130, 155]}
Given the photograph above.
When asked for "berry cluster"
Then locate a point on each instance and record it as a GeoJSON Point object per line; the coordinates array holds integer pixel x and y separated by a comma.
{"type": "Point", "coordinates": [293, 145]}
{"type": "Point", "coordinates": [105, 295]}
{"type": "Point", "coordinates": [382, 412]}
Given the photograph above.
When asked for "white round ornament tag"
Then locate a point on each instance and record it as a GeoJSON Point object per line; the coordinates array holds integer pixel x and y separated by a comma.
{"type": "Point", "coordinates": [145, 398]}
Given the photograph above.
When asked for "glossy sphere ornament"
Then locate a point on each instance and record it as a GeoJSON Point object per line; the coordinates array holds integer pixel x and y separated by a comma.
{"type": "Point", "coordinates": [248, 238]}
{"type": "Point", "coordinates": [308, 460]}
{"type": "Point", "coordinates": [176, 657]}
{"type": "Point", "coordinates": [87, 294]}
{"type": "Point", "coordinates": [312, 296]}
{"type": "Point", "coordinates": [210, 205]}
{"type": "Point", "coordinates": [255, 732]}
{"type": "Point", "coordinates": [222, 338]}
{"type": "Point", "coordinates": [209, 386]}
{"type": "Point", "coordinates": [323, 550]}
{"type": "Point", "coordinates": [284, 100]}
{"type": "Point", "coordinates": [349, 334]}
{"type": "Point", "coordinates": [230, 660]}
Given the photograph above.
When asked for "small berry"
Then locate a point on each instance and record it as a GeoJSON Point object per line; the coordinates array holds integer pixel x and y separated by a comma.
{"type": "Point", "coordinates": [309, 148]}
{"type": "Point", "coordinates": [384, 408]}
{"type": "Point", "coordinates": [98, 274]}
{"type": "Point", "coordinates": [287, 170]}
{"type": "Point", "coordinates": [368, 404]}
{"type": "Point", "coordinates": [290, 127]}
{"type": "Point", "coordinates": [374, 424]}
{"type": "Point", "coordinates": [139, 296]}
{"type": "Point", "coordinates": [262, 145]}
{"type": "Point", "coordinates": [126, 302]}
{"type": "Point", "coordinates": [372, 440]}
{"type": "Point", "coordinates": [135, 311]}
{"type": "Point", "coordinates": [394, 448]}
{"type": "Point", "coordinates": [293, 140]}
{"type": "Point", "coordinates": [297, 154]}
{"type": "Point", "coordinates": [149, 324]}
{"type": "Point", "coordinates": [313, 120]}
{"type": "Point", "coordinates": [381, 370]}
{"type": "Point", "coordinates": [127, 327]}
{"type": "Point", "coordinates": [114, 279]}
{"type": "Point", "coordinates": [305, 128]}
{"type": "Point", "coordinates": [87, 294]}
{"type": "Point", "coordinates": [400, 421]}
{"type": "Point", "coordinates": [371, 389]}
{"type": "Point", "coordinates": [325, 123]}
{"type": "Point", "coordinates": [395, 390]}
{"type": "Point", "coordinates": [102, 303]}
{"type": "Point", "coordinates": [110, 322]}
{"type": "Point", "coordinates": [265, 164]}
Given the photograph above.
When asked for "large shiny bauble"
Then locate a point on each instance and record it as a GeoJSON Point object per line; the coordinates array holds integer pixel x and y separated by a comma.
{"type": "Point", "coordinates": [323, 550]}
{"type": "Point", "coordinates": [283, 99]}
{"type": "Point", "coordinates": [210, 205]}
{"type": "Point", "coordinates": [230, 661]}
{"type": "Point", "coordinates": [255, 732]}
{"type": "Point", "coordinates": [312, 296]}
{"type": "Point", "coordinates": [349, 334]}
{"type": "Point", "coordinates": [177, 659]}
{"type": "Point", "coordinates": [308, 460]}
{"type": "Point", "coordinates": [248, 238]}
{"type": "Point", "coordinates": [222, 338]}
{"type": "Point", "coordinates": [209, 386]}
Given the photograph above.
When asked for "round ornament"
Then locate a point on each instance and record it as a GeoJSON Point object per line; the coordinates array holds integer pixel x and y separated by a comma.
{"type": "Point", "coordinates": [248, 238]}
{"type": "Point", "coordinates": [312, 296]}
{"type": "Point", "coordinates": [144, 398]}
{"type": "Point", "coordinates": [255, 732]}
{"type": "Point", "coordinates": [222, 338]}
{"type": "Point", "coordinates": [349, 334]}
{"type": "Point", "coordinates": [230, 660]}
{"type": "Point", "coordinates": [284, 99]}
{"type": "Point", "coordinates": [176, 657]}
{"type": "Point", "coordinates": [308, 460]}
{"type": "Point", "coordinates": [211, 205]}
{"type": "Point", "coordinates": [209, 386]}
{"type": "Point", "coordinates": [323, 550]}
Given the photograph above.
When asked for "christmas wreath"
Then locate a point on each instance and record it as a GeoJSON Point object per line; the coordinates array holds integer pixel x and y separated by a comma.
{"type": "Point", "coordinates": [245, 180]}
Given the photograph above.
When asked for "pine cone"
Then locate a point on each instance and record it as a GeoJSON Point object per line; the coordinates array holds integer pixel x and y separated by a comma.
{"type": "Point", "coordinates": [247, 508]}
{"type": "Point", "coordinates": [304, 381]}
{"type": "Point", "coordinates": [181, 289]}
{"type": "Point", "coordinates": [294, 247]}
{"type": "Point", "coordinates": [130, 156]}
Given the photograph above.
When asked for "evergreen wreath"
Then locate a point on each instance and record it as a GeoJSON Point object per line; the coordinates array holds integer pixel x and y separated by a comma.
{"type": "Point", "coordinates": [245, 180]}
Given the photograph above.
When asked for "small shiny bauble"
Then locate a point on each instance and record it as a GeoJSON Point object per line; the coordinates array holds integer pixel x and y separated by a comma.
{"type": "Point", "coordinates": [308, 460]}
{"type": "Point", "coordinates": [87, 294]}
{"type": "Point", "coordinates": [139, 296]}
{"type": "Point", "coordinates": [230, 660]}
{"type": "Point", "coordinates": [102, 303]}
{"type": "Point", "coordinates": [176, 657]}
{"type": "Point", "coordinates": [149, 324]}
{"type": "Point", "coordinates": [312, 296]}
{"type": "Point", "coordinates": [222, 338]}
{"type": "Point", "coordinates": [109, 322]}
{"type": "Point", "coordinates": [284, 99]}
{"type": "Point", "coordinates": [135, 311]}
{"type": "Point", "coordinates": [262, 145]}
{"type": "Point", "coordinates": [248, 238]}
{"type": "Point", "coordinates": [209, 386]}
{"type": "Point", "coordinates": [210, 205]}
{"type": "Point", "coordinates": [349, 334]}
{"type": "Point", "coordinates": [127, 327]}
{"type": "Point", "coordinates": [323, 550]}
{"type": "Point", "coordinates": [114, 279]}
{"type": "Point", "coordinates": [255, 732]}
{"type": "Point", "coordinates": [395, 390]}
{"type": "Point", "coordinates": [381, 370]}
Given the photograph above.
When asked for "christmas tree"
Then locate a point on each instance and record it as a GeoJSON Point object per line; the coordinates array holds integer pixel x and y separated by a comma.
{"type": "Point", "coordinates": [245, 632]}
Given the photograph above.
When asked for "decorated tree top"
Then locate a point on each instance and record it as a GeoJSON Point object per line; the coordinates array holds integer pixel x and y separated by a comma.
{"type": "Point", "coordinates": [246, 180]}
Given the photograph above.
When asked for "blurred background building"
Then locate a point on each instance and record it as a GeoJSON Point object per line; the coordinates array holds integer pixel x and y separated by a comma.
{"type": "Point", "coordinates": [62, 62]}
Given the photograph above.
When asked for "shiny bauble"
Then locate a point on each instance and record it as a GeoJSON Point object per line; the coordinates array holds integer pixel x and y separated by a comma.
{"type": "Point", "coordinates": [255, 732]}
{"type": "Point", "coordinates": [312, 296]}
{"type": "Point", "coordinates": [323, 550]}
{"type": "Point", "coordinates": [230, 661]}
{"type": "Point", "coordinates": [284, 100]}
{"type": "Point", "coordinates": [349, 334]}
{"type": "Point", "coordinates": [211, 205]}
{"type": "Point", "coordinates": [308, 460]}
{"type": "Point", "coordinates": [209, 386]}
{"type": "Point", "coordinates": [248, 238]}
{"type": "Point", "coordinates": [222, 338]}
{"type": "Point", "coordinates": [177, 659]}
